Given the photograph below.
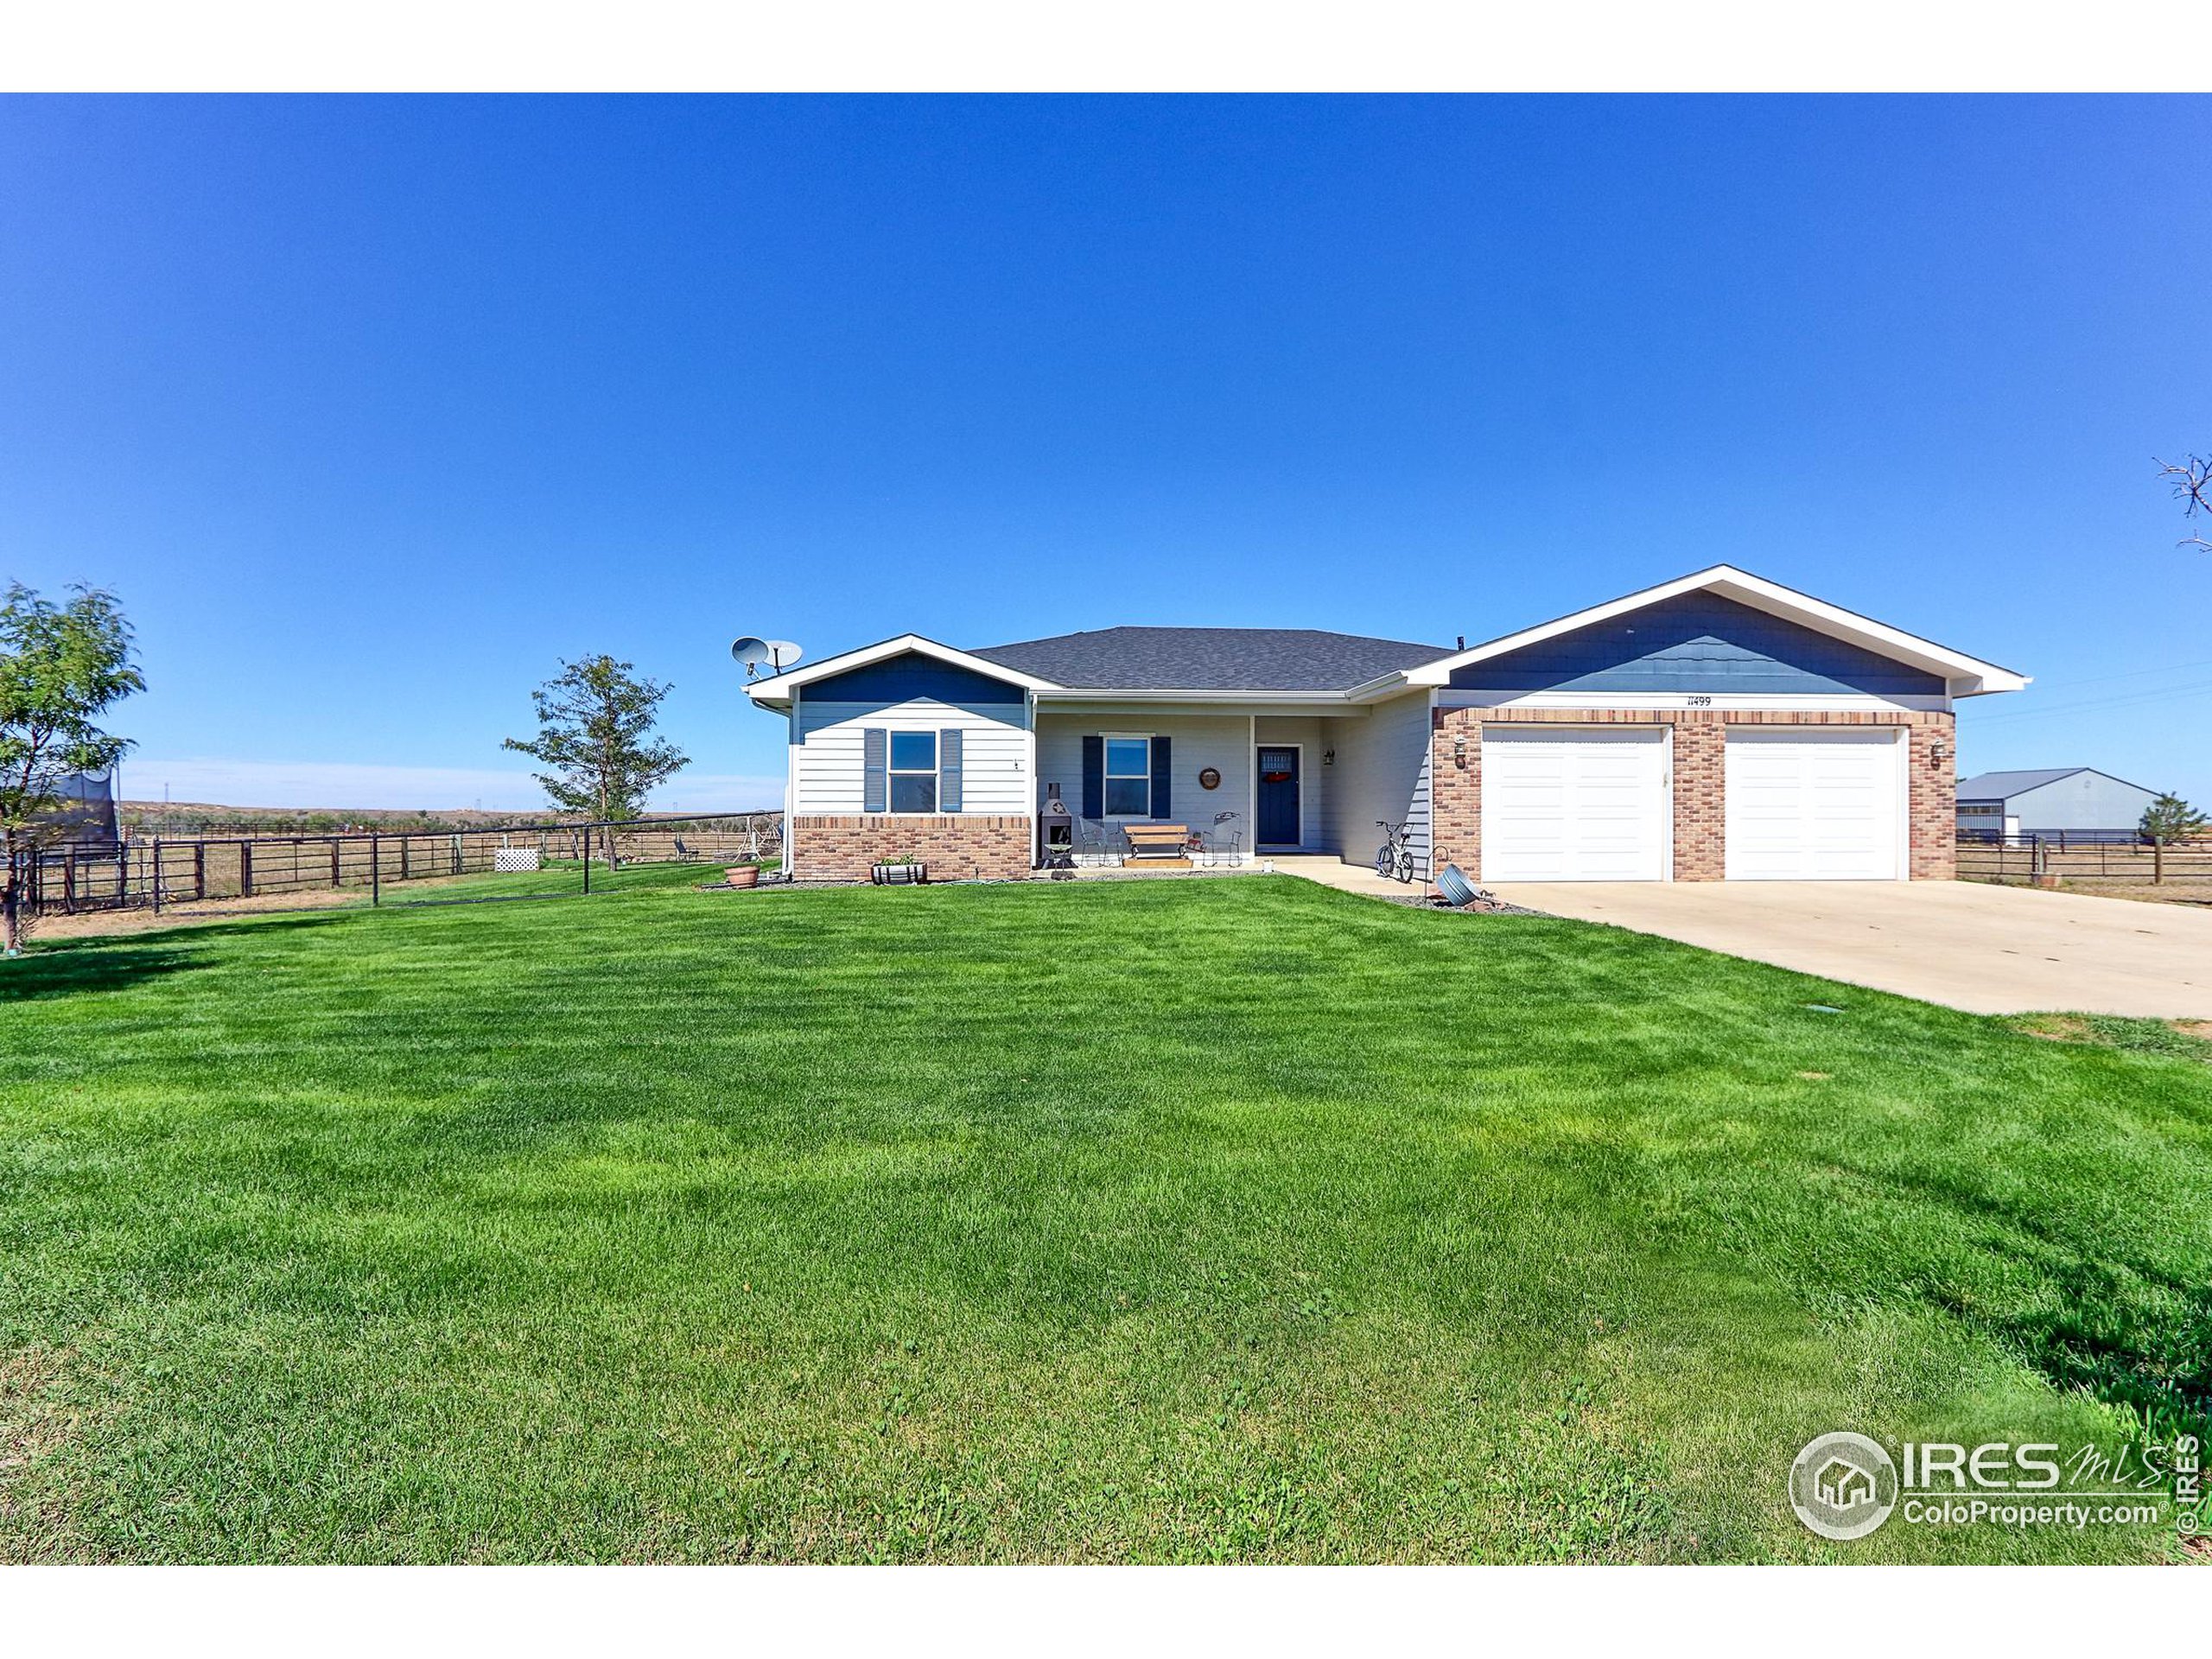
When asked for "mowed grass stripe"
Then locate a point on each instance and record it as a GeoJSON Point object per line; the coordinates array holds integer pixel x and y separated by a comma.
{"type": "Point", "coordinates": [1212, 1220]}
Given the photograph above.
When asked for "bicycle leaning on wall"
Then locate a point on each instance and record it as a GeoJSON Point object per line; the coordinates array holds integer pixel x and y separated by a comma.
{"type": "Point", "coordinates": [1395, 858]}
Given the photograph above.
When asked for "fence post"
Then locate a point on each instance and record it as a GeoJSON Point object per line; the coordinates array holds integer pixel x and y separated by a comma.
{"type": "Point", "coordinates": [406, 870]}
{"type": "Point", "coordinates": [333, 861]}
{"type": "Point", "coordinates": [587, 860]}
{"type": "Point", "coordinates": [376, 871]}
{"type": "Point", "coordinates": [246, 870]}
{"type": "Point", "coordinates": [157, 875]}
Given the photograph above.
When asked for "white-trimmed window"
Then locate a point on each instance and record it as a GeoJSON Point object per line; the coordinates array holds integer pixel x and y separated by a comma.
{"type": "Point", "coordinates": [913, 772]}
{"type": "Point", "coordinates": [1128, 776]}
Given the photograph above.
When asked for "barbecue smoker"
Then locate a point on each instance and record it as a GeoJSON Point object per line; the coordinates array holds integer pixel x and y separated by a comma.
{"type": "Point", "coordinates": [1056, 831]}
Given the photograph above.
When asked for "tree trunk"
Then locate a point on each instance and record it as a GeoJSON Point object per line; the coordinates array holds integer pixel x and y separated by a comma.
{"type": "Point", "coordinates": [9, 899]}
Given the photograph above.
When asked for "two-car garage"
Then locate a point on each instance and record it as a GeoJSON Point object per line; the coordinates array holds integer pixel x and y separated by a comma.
{"type": "Point", "coordinates": [1565, 802]}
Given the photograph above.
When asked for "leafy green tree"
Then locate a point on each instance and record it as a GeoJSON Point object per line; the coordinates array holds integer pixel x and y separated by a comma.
{"type": "Point", "coordinates": [61, 668]}
{"type": "Point", "coordinates": [595, 740]}
{"type": "Point", "coordinates": [2168, 819]}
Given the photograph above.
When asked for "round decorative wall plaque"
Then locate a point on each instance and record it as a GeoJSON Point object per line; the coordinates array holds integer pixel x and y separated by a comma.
{"type": "Point", "coordinates": [1210, 779]}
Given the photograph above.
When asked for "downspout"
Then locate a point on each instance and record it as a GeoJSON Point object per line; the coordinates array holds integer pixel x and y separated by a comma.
{"type": "Point", "coordinates": [1429, 748]}
{"type": "Point", "coordinates": [794, 741]}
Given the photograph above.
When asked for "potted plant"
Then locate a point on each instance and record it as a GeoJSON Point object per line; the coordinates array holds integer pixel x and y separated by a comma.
{"type": "Point", "coordinates": [903, 872]}
{"type": "Point", "coordinates": [743, 875]}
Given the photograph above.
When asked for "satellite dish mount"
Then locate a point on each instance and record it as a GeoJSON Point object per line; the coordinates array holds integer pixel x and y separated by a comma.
{"type": "Point", "coordinates": [754, 654]}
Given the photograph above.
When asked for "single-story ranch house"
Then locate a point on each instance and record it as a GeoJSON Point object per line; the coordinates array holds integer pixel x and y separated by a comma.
{"type": "Point", "coordinates": [1719, 726]}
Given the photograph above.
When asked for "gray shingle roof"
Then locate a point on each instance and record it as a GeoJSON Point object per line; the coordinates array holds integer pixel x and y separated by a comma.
{"type": "Point", "coordinates": [2002, 785]}
{"type": "Point", "coordinates": [1210, 659]}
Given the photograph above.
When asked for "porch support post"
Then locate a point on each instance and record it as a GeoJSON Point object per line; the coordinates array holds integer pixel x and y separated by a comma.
{"type": "Point", "coordinates": [1252, 779]}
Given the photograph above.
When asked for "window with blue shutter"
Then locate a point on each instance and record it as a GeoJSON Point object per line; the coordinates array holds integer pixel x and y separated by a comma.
{"type": "Point", "coordinates": [874, 784]}
{"type": "Point", "coordinates": [1129, 776]}
{"type": "Point", "coordinates": [913, 772]}
{"type": "Point", "coordinates": [1094, 777]}
{"type": "Point", "coordinates": [1162, 770]}
{"type": "Point", "coordinates": [948, 769]}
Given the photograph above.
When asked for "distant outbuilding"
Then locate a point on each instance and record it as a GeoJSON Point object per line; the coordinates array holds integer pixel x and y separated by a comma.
{"type": "Point", "coordinates": [2078, 802]}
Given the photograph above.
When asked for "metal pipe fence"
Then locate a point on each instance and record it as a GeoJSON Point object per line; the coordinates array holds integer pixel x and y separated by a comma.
{"type": "Point", "coordinates": [153, 871]}
{"type": "Point", "coordinates": [2031, 858]}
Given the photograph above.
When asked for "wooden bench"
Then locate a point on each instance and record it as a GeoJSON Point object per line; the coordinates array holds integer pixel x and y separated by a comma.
{"type": "Point", "coordinates": [1157, 844]}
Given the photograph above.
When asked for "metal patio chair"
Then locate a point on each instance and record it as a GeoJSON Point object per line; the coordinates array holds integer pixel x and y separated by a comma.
{"type": "Point", "coordinates": [1098, 843]}
{"type": "Point", "coordinates": [1221, 844]}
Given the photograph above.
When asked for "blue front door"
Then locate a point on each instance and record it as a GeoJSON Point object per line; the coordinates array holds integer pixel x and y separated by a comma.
{"type": "Point", "coordinates": [1278, 825]}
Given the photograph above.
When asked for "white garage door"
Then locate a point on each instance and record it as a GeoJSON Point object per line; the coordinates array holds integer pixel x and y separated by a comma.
{"type": "Point", "coordinates": [1574, 804]}
{"type": "Point", "coordinates": [1806, 805]}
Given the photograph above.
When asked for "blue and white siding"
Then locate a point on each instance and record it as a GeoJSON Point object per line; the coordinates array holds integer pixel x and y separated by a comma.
{"type": "Point", "coordinates": [1728, 654]}
{"type": "Point", "coordinates": [1196, 742]}
{"type": "Point", "coordinates": [829, 721]}
{"type": "Point", "coordinates": [1382, 772]}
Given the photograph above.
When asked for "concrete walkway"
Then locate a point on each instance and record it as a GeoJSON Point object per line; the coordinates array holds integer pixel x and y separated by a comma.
{"type": "Point", "coordinates": [1332, 872]}
{"type": "Point", "coordinates": [1988, 950]}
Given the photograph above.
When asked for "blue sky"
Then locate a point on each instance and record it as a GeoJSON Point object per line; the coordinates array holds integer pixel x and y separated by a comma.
{"type": "Point", "coordinates": [371, 409]}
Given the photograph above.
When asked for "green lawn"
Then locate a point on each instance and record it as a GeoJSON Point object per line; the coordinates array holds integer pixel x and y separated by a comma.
{"type": "Point", "coordinates": [1212, 1220]}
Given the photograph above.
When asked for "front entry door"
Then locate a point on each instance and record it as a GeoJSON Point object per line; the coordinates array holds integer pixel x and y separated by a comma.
{"type": "Point", "coordinates": [1278, 825]}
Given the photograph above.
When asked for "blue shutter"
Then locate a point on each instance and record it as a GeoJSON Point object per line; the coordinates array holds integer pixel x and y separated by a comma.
{"type": "Point", "coordinates": [948, 769]}
{"type": "Point", "coordinates": [875, 763]}
{"type": "Point", "coordinates": [1162, 802]}
{"type": "Point", "coordinates": [1094, 777]}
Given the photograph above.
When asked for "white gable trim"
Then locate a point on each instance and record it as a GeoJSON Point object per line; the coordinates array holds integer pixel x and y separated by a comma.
{"type": "Point", "coordinates": [1967, 676]}
{"type": "Point", "coordinates": [777, 690]}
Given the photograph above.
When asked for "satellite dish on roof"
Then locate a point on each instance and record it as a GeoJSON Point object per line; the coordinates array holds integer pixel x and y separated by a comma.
{"type": "Point", "coordinates": [753, 655]}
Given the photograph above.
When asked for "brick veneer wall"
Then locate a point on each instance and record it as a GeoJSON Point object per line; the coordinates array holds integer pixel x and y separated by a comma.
{"type": "Point", "coordinates": [1700, 804]}
{"type": "Point", "coordinates": [957, 846]}
{"type": "Point", "coordinates": [1701, 763]}
{"type": "Point", "coordinates": [1934, 783]}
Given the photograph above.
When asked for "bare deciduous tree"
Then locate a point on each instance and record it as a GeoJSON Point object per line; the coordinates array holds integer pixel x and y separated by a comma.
{"type": "Point", "coordinates": [2192, 482]}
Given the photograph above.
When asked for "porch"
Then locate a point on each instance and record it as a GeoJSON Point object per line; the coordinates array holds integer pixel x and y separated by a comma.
{"type": "Point", "coordinates": [1241, 783]}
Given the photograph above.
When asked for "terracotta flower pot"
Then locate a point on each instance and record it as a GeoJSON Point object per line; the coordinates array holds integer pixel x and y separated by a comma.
{"type": "Point", "coordinates": [743, 875]}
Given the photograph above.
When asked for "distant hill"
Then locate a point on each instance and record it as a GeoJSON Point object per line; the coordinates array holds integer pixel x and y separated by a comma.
{"type": "Point", "coordinates": [213, 818]}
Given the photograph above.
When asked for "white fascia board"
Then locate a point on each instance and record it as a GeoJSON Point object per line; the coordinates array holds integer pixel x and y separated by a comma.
{"type": "Point", "coordinates": [778, 687]}
{"type": "Point", "coordinates": [1240, 699]}
{"type": "Point", "coordinates": [1072, 705]}
{"type": "Point", "coordinates": [1838, 701]}
{"type": "Point", "coordinates": [1385, 685]}
{"type": "Point", "coordinates": [1965, 676]}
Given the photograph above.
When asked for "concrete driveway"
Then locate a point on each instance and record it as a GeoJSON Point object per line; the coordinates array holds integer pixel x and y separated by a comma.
{"type": "Point", "coordinates": [1984, 948]}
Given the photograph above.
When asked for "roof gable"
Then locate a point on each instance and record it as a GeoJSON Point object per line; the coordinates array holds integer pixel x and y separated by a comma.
{"type": "Point", "coordinates": [1698, 641]}
{"type": "Point", "coordinates": [911, 677]}
{"type": "Point", "coordinates": [2008, 785]}
{"type": "Point", "coordinates": [1963, 675]}
{"type": "Point", "coordinates": [776, 692]}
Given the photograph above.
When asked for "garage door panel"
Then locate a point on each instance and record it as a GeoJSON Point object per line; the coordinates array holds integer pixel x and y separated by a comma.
{"type": "Point", "coordinates": [1813, 805]}
{"type": "Point", "coordinates": [1575, 804]}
